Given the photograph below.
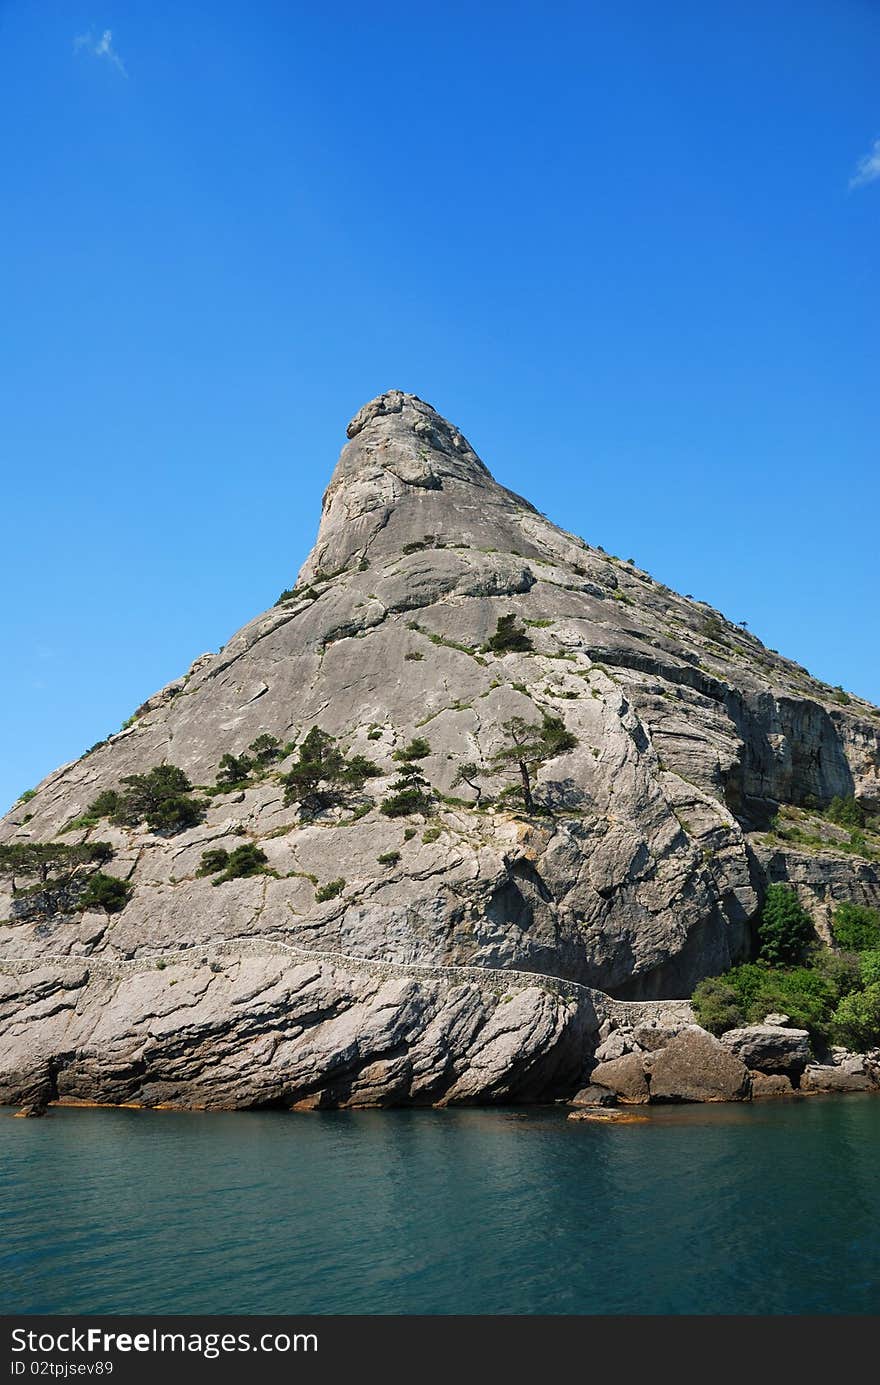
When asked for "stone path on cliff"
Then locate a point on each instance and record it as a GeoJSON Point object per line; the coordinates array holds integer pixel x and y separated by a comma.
{"type": "Point", "coordinates": [605, 1006]}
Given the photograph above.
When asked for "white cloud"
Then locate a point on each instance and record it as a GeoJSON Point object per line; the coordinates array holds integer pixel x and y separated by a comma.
{"type": "Point", "coordinates": [103, 48]}
{"type": "Point", "coordinates": [868, 168]}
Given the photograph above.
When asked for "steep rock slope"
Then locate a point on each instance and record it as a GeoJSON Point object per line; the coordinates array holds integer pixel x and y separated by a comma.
{"type": "Point", "coordinates": [638, 873]}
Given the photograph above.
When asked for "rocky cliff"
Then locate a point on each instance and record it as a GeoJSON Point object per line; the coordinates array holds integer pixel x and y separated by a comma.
{"type": "Point", "coordinates": [467, 949]}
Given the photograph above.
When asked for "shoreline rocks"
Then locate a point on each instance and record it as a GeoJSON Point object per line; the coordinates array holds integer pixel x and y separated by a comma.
{"type": "Point", "coordinates": [770, 1048]}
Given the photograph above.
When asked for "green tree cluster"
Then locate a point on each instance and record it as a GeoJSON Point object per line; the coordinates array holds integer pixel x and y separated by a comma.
{"type": "Point", "coordinates": [509, 638]}
{"type": "Point", "coordinates": [162, 798]}
{"type": "Point", "coordinates": [322, 777]}
{"type": "Point", "coordinates": [417, 749]}
{"type": "Point", "coordinates": [234, 771]}
{"type": "Point", "coordinates": [834, 993]}
{"type": "Point", "coordinates": [845, 812]}
{"type": "Point", "coordinates": [855, 927]}
{"type": "Point", "coordinates": [26, 860]}
{"type": "Point", "coordinates": [244, 860]}
{"type": "Point", "coordinates": [106, 892]}
{"type": "Point", "coordinates": [410, 793]}
{"type": "Point", "coordinates": [785, 929]}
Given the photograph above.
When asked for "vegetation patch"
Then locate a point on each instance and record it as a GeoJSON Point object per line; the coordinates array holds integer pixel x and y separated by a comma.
{"type": "Point", "coordinates": [509, 639]}
{"type": "Point", "coordinates": [528, 745]}
{"type": "Point", "coordinates": [322, 777]}
{"type": "Point", "coordinates": [410, 793]}
{"type": "Point", "coordinates": [52, 863]}
{"type": "Point", "coordinates": [835, 994]}
{"type": "Point", "coordinates": [162, 798]}
{"type": "Point", "coordinates": [330, 890]}
{"type": "Point", "coordinates": [417, 749]}
{"type": "Point", "coordinates": [856, 928]}
{"type": "Point", "coordinates": [106, 892]}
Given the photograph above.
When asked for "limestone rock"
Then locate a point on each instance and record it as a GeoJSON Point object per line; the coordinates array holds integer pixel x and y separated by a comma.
{"type": "Point", "coordinates": [593, 1095]}
{"type": "Point", "coordinates": [694, 1066]}
{"type": "Point", "coordinates": [825, 1077]}
{"type": "Point", "coordinates": [656, 1033]}
{"type": "Point", "coordinates": [639, 877]}
{"type": "Point", "coordinates": [770, 1084]}
{"type": "Point", "coordinates": [770, 1048]}
{"type": "Point", "coordinates": [618, 1043]}
{"type": "Point", "coordinates": [625, 1077]}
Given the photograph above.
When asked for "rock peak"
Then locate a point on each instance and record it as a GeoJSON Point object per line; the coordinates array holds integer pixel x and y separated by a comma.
{"type": "Point", "coordinates": [406, 475]}
{"type": "Point", "coordinates": [391, 402]}
{"type": "Point", "coordinates": [395, 424]}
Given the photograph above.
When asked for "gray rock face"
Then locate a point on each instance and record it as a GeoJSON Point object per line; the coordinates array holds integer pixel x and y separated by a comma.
{"type": "Point", "coordinates": [694, 1066]}
{"type": "Point", "coordinates": [625, 1077]}
{"type": "Point", "coordinates": [770, 1048]}
{"type": "Point", "coordinates": [592, 1096]}
{"type": "Point", "coordinates": [821, 1077]}
{"type": "Point", "coordinates": [770, 1084]}
{"type": "Point", "coordinates": [252, 1030]}
{"type": "Point", "coordinates": [638, 877]}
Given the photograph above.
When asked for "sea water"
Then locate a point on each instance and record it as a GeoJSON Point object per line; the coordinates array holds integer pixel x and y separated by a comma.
{"type": "Point", "coordinates": [765, 1208]}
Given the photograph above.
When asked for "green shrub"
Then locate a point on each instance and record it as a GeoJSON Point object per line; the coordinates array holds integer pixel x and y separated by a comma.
{"type": "Point", "coordinates": [801, 992]}
{"type": "Point", "coordinates": [855, 927]}
{"type": "Point", "coordinates": [409, 833]}
{"type": "Point", "coordinates": [417, 749]}
{"type": "Point", "coordinates": [856, 1021]}
{"type": "Point", "coordinates": [410, 793]}
{"type": "Point", "coordinates": [716, 1005]}
{"type": "Point", "coordinates": [358, 769]}
{"type": "Point", "coordinates": [869, 967]}
{"type": "Point", "coordinates": [413, 547]}
{"type": "Point", "coordinates": [214, 859]}
{"type": "Point", "coordinates": [162, 798]}
{"type": "Point", "coordinates": [507, 638]}
{"type": "Point", "coordinates": [81, 824]}
{"type": "Point", "coordinates": [330, 890]}
{"type": "Point", "coordinates": [388, 858]}
{"type": "Point", "coordinates": [846, 812]}
{"type": "Point", "coordinates": [840, 969]}
{"type": "Point", "coordinates": [105, 805]}
{"type": "Point", "coordinates": [243, 861]}
{"type": "Point", "coordinates": [266, 749]}
{"type": "Point", "coordinates": [321, 777]}
{"type": "Point", "coordinates": [784, 927]}
{"type": "Point", "coordinates": [26, 796]}
{"type": "Point", "coordinates": [233, 771]}
{"type": "Point", "coordinates": [105, 892]}
{"type": "Point", "coordinates": [374, 735]}
{"type": "Point", "coordinates": [430, 834]}
{"type": "Point", "coordinates": [712, 628]}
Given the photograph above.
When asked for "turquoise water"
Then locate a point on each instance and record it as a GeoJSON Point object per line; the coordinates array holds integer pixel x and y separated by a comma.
{"type": "Point", "coordinates": [766, 1209]}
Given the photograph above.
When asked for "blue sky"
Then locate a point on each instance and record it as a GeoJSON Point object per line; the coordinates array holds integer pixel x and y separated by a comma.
{"type": "Point", "coordinates": [631, 250]}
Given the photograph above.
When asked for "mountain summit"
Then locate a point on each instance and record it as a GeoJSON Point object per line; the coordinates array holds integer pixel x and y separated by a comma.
{"type": "Point", "coordinates": [418, 830]}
